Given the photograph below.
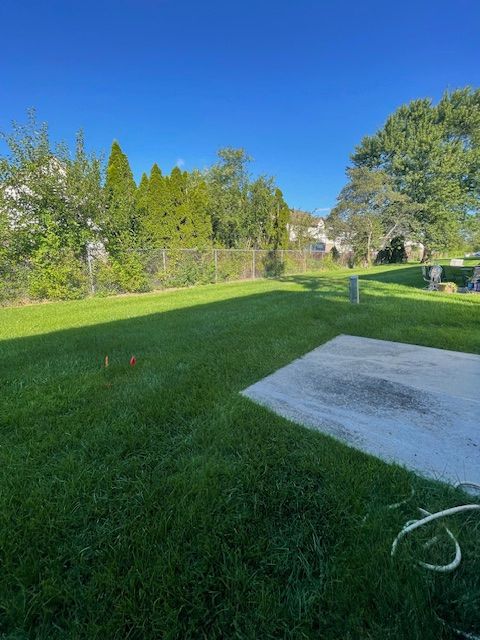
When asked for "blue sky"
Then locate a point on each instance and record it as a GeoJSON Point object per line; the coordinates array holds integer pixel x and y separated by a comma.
{"type": "Point", "coordinates": [296, 83]}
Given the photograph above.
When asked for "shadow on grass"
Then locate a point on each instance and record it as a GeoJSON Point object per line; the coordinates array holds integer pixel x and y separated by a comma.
{"type": "Point", "coordinates": [408, 276]}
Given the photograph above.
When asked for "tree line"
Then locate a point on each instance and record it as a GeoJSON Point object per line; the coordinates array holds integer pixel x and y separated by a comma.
{"type": "Point", "coordinates": [418, 177]}
{"type": "Point", "coordinates": [55, 205]}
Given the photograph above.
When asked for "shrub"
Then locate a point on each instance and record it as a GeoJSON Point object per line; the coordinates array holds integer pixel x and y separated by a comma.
{"type": "Point", "coordinates": [330, 262]}
{"type": "Point", "coordinates": [129, 273]}
{"type": "Point", "coordinates": [393, 253]}
{"type": "Point", "coordinates": [233, 265]}
{"type": "Point", "coordinates": [121, 274]}
{"type": "Point", "coordinates": [186, 268]}
{"type": "Point", "coordinates": [334, 254]}
{"type": "Point", "coordinates": [13, 282]}
{"type": "Point", "coordinates": [273, 265]}
{"type": "Point", "coordinates": [61, 278]}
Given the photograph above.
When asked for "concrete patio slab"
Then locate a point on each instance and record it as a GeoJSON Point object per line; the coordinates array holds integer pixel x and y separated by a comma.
{"type": "Point", "coordinates": [417, 406]}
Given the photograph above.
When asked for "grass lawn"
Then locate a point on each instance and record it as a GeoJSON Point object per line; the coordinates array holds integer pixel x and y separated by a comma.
{"type": "Point", "coordinates": [156, 502]}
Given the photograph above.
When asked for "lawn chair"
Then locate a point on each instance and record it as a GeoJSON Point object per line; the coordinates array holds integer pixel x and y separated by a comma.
{"type": "Point", "coordinates": [433, 276]}
{"type": "Point", "coordinates": [425, 273]}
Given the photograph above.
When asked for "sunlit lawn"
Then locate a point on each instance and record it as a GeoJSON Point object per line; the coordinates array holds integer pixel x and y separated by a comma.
{"type": "Point", "coordinates": [156, 502]}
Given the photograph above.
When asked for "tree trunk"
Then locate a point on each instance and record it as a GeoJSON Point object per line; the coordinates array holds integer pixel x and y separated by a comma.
{"type": "Point", "coordinates": [368, 257]}
{"type": "Point", "coordinates": [427, 254]}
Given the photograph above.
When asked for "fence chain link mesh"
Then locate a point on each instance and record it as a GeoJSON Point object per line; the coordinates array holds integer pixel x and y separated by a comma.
{"type": "Point", "coordinates": [153, 269]}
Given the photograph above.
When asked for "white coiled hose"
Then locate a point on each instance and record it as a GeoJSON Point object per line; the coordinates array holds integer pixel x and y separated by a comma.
{"type": "Point", "coordinates": [412, 525]}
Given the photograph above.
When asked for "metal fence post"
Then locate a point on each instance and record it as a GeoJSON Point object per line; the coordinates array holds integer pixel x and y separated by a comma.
{"type": "Point", "coordinates": [253, 264]}
{"type": "Point", "coordinates": [304, 261]}
{"type": "Point", "coordinates": [215, 257]}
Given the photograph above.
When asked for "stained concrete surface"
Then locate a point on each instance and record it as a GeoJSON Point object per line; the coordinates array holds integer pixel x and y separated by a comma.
{"type": "Point", "coordinates": [417, 406]}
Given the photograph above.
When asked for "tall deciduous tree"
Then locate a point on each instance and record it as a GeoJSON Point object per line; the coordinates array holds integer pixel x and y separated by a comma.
{"type": "Point", "coordinates": [432, 152]}
{"type": "Point", "coordinates": [228, 182]}
{"type": "Point", "coordinates": [245, 212]}
{"type": "Point", "coordinates": [50, 204]}
{"type": "Point", "coordinates": [369, 212]}
{"type": "Point", "coordinates": [259, 213]}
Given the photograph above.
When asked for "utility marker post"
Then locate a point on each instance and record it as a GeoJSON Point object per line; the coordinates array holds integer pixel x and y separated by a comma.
{"type": "Point", "coordinates": [90, 269]}
{"type": "Point", "coordinates": [354, 290]}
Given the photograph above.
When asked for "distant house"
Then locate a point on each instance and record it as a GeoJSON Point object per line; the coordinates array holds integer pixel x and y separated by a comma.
{"type": "Point", "coordinates": [307, 231]}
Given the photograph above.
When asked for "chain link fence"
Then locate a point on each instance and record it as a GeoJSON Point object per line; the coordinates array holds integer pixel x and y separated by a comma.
{"type": "Point", "coordinates": [150, 270]}
{"type": "Point", "coordinates": [171, 268]}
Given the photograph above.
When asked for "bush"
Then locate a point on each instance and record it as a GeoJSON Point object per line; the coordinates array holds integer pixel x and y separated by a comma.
{"type": "Point", "coordinates": [63, 278]}
{"type": "Point", "coordinates": [121, 274]}
{"type": "Point", "coordinates": [184, 269]}
{"type": "Point", "coordinates": [334, 254]}
{"type": "Point", "coordinates": [330, 263]}
{"type": "Point", "coordinates": [393, 253]}
{"type": "Point", "coordinates": [129, 273]}
{"type": "Point", "coordinates": [233, 265]}
{"type": "Point", "coordinates": [273, 265]}
{"type": "Point", "coordinates": [13, 283]}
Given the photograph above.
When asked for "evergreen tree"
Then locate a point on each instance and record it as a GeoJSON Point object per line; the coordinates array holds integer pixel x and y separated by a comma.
{"type": "Point", "coordinates": [277, 230]}
{"type": "Point", "coordinates": [120, 226]}
{"type": "Point", "coordinates": [158, 223]}
{"type": "Point", "coordinates": [141, 204]}
{"type": "Point", "coordinates": [177, 185]}
{"type": "Point", "coordinates": [142, 195]}
{"type": "Point", "coordinates": [194, 226]}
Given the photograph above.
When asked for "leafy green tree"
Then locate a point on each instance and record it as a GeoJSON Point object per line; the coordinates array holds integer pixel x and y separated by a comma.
{"type": "Point", "coordinates": [228, 182]}
{"type": "Point", "coordinates": [300, 224]}
{"type": "Point", "coordinates": [368, 212]}
{"type": "Point", "coordinates": [50, 206]}
{"type": "Point", "coordinates": [122, 225]}
{"type": "Point", "coordinates": [259, 213]}
{"type": "Point", "coordinates": [56, 273]}
{"type": "Point", "coordinates": [192, 216]}
{"type": "Point", "coordinates": [266, 215]}
{"type": "Point", "coordinates": [471, 232]}
{"type": "Point", "coordinates": [433, 155]}
{"type": "Point", "coordinates": [245, 212]}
